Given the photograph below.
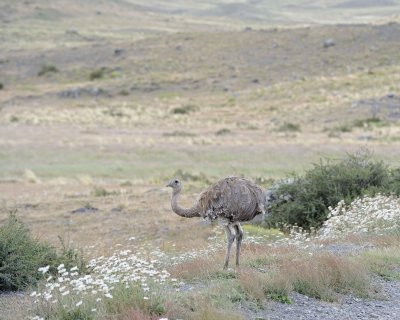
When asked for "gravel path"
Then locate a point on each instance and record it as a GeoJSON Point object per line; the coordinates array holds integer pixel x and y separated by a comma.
{"type": "Point", "coordinates": [305, 308]}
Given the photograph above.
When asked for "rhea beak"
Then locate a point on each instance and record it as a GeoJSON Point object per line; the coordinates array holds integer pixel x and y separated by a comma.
{"type": "Point", "coordinates": [169, 185]}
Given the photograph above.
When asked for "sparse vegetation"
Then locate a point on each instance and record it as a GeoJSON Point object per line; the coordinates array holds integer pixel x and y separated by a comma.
{"type": "Point", "coordinates": [14, 118]}
{"type": "Point", "coordinates": [367, 123]}
{"type": "Point", "coordinates": [179, 134]}
{"type": "Point", "coordinates": [98, 73]}
{"type": "Point", "coordinates": [1, 86]}
{"type": "Point", "coordinates": [289, 127]}
{"type": "Point", "coordinates": [223, 131]}
{"type": "Point", "coordinates": [102, 192]}
{"type": "Point", "coordinates": [47, 69]}
{"type": "Point", "coordinates": [185, 109]}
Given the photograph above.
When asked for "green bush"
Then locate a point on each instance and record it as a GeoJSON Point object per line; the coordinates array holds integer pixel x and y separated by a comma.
{"type": "Point", "coordinates": [21, 256]}
{"type": "Point", "coordinates": [308, 197]}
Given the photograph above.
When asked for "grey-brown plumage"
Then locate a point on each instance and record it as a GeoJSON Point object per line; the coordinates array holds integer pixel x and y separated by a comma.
{"type": "Point", "coordinates": [231, 200]}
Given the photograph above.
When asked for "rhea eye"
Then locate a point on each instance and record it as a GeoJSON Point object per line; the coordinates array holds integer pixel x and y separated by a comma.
{"type": "Point", "coordinates": [176, 181]}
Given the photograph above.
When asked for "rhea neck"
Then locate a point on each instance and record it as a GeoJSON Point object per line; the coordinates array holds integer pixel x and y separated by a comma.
{"type": "Point", "coordinates": [183, 212]}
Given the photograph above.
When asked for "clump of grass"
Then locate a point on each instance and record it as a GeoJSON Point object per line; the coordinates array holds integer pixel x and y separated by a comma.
{"type": "Point", "coordinates": [198, 268]}
{"type": "Point", "coordinates": [98, 73]}
{"type": "Point", "coordinates": [132, 299]}
{"type": "Point", "coordinates": [47, 69]}
{"type": "Point", "coordinates": [277, 287]}
{"type": "Point", "coordinates": [1, 86]}
{"type": "Point", "coordinates": [21, 256]}
{"type": "Point", "coordinates": [361, 123]}
{"type": "Point", "coordinates": [211, 313]}
{"type": "Point", "coordinates": [178, 134]}
{"type": "Point", "coordinates": [30, 176]}
{"type": "Point", "coordinates": [124, 92]}
{"type": "Point", "coordinates": [252, 284]}
{"type": "Point", "coordinates": [188, 108]}
{"type": "Point", "coordinates": [369, 122]}
{"type": "Point", "coordinates": [289, 127]}
{"type": "Point", "coordinates": [14, 119]}
{"type": "Point", "coordinates": [323, 276]}
{"type": "Point", "coordinates": [223, 131]}
{"type": "Point", "coordinates": [126, 184]}
{"type": "Point", "coordinates": [258, 286]}
{"type": "Point", "coordinates": [383, 262]}
{"type": "Point", "coordinates": [102, 192]}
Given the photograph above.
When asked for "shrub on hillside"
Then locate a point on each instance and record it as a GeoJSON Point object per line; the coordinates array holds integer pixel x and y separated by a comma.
{"type": "Point", "coordinates": [307, 198]}
{"type": "Point", "coordinates": [21, 256]}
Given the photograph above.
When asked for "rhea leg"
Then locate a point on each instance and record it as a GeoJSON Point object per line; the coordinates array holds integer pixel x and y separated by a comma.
{"type": "Point", "coordinates": [230, 237]}
{"type": "Point", "coordinates": [239, 237]}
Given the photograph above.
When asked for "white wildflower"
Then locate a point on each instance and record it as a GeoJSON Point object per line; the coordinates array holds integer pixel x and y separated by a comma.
{"type": "Point", "coordinates": [44, 269]}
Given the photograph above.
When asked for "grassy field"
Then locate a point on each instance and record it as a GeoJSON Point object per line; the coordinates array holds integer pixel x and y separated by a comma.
{"type": "Point", "coordinates": [101, 103]}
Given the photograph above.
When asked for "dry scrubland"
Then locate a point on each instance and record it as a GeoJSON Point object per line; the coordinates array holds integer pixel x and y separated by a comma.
{"type": "Point", "coordinates": [101, 103]}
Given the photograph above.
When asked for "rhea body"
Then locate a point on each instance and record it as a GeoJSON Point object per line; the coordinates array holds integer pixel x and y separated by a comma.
{"type": "Point", "coordinates": [232, 200]}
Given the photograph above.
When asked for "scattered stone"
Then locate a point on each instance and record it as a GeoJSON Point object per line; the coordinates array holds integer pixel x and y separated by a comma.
{"type": "Point", "coordinates": [75, 93]}
{"type": "Point", "coordinates": [146, 87]}
{"type": "Point", "coordinates": [72, 32]}
{"type": "Point", "coordinates": [72, 93]}
{"type": "Point", "coordinates": [329, 43]}
{"type": "Point", "coordinates": [88, 208]}
{"type": "Point", "coordinates": [389, 105]}
{"type": "Point", "coordinates": [118, 52]}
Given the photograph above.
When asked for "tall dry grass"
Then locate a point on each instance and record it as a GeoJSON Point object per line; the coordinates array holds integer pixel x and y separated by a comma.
{"type": "Point", "coordinates": [325, 275]}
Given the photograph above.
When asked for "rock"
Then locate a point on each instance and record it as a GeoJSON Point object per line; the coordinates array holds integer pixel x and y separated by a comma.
{"type": "Point", "coordinates": [118, 52]}
{"type": "Point", "coordinates": [86, 209]}
{"type": "Point", "coordinates": [329, 43]}
{"type": "Point", "coordinates": [73, 93]}
{"type": "Point", "coordinates": [95, 91]}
